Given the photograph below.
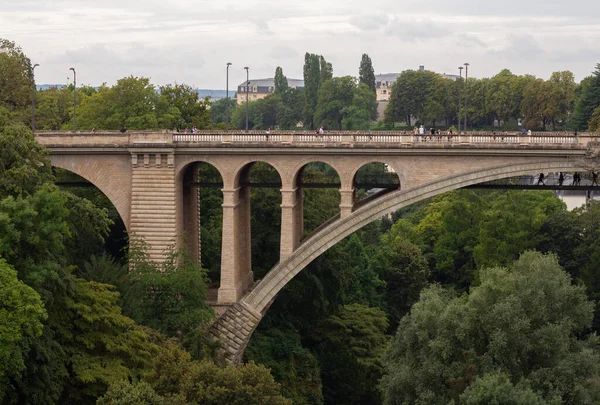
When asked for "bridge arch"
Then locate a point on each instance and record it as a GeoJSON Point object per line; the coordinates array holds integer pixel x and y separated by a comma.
{"type": "Point", "coordinates": [391, 164]}
{"type": "Point", "coordinates": [189, 181]}
{"type": "Point", "coordinates": [251, 308]}
{"type": "Point", "coordinates": [264, 292]}
{"type": "Point", "coordinates": [386, 176]}
{"type": "Point", "coordinates": [110, 174]}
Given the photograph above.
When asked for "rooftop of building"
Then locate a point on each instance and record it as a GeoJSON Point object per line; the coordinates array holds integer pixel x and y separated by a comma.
{"type": "Point", "coordinates": [270, 82]}
{"type": "Point", "coordinates": [386, 77]}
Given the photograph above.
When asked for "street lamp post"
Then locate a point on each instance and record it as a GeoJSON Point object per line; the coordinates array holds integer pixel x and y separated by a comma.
{"type": "Point", "coordinates": [460, 68]}
{"type": "Point", "coordinates": [247, 85]}
{"type": "Point", "coordinates": [466, 84]}
{"type": "Point", "coordinates": [33, 96]}
{"type": "Point", "coordinates": [74, 100]}
{"type": "Point", "coordinates": [227, 98]}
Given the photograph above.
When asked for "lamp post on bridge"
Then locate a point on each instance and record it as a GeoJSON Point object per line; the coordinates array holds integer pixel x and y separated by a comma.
{"type": "Point", "coordinates": [460, 68]}
{"type": "Point", "coordinates": [74, 99]}
{"type": "Point", "coordinates": [33, 97]}
{"type": "Point", "coordinates": [466, 84]}
{"type": "Point", "coordinates": [227, 98]}
{"type": "Point", "coordinates": [247, 85]}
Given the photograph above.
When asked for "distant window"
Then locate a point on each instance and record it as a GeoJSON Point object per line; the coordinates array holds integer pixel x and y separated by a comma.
{"type": "Point", "coordinates": [385, 91]}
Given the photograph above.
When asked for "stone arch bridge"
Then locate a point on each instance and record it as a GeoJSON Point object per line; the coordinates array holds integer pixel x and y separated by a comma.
{"type": "Point", "coordinates": [147, 176]}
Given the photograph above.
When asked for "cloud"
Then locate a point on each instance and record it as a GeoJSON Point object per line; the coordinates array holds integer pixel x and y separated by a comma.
{"type": "Point", "coordinates": [263, 26]}
{"type": "Point", "coordinates": [189, 41]}
{"type": "Point", "coordinates": [518, 46]}
{"type": "Point", "coordinates": [466, 40]}
{"type": "Point", "coordinates": [369, 22]}
{"type": "Point", "coordinates": [415, 30]}
{"type": "Point", "coordinates": [283, 52]}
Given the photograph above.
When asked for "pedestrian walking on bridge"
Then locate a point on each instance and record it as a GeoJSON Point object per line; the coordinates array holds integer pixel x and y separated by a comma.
{"type": "Point", "coordinates": [541, 180]}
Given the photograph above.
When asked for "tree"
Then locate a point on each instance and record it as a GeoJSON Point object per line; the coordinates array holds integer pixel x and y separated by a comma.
{"type": "Point", "coordinates": [272, 110]}
{"type": "Point", "coordinates": [334, 95]}
{"type": "Point", "coordinates": [588, 101]}
{"type": "Point", "coordinates": [316, 72]}
{"type": "Point", "coordinates": [351, 345]}
{"type": "Point", "coordinates": [312, 77]}
{"type": "Point", "coordinates": [170, 296]}
{"type": "Point", "coordinates": [366, 73]}
{"type": "Point", "coordinates": [281, 83]}
{"type": "Point", "coordinates": [326, 70]}
{"type": "Point", "coordinates": [442, 102]}
{"type": "Point", "coordinates": [410, 93]}
{"type": "Point", "coordinates": [403, 268]}
{"type": "Point", "coordinates": [496, 388]}
{"type": "Point", "coordinates": [511, 225]}
{"type": "Point", "coordinates": [192, 112]}
{"type": "Point", "coordinates": [279, 348]}
{"type": "Point", "coordinates": [217, 111]}
{"type": "Point", "coordinates": [562, 97]}
{"type": "Point", "coordinates": [175, 375]}
{"type": "Point", "coordinates": [364, 101]}
{"type": "Point", "coordinates": [24, 164]}
{"type": "Point", "coordinates": [594, 124]}
{"type": "Point", "coordinates": [344, 103]}
{"type": "Point", "coordinates": [293, 102]}
{"type": "Point", "coordinates": [21, 316]}
{"type": "Point", "coordinates": [54, 108]}
{"type": "Point", "coordinates": [16, 78]}
{"type": "Point", "coordinates": [125, 393]}
{"type": "Point", "coordinates": [131, 102]}
{"type": "Point", "coordinates": [501, 102]}
{"type": "Point", "coordinates": [528, 323]}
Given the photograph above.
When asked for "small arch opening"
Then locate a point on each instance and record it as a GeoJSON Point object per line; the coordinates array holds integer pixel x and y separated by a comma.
{"type": "Point", "coordinates": [373, 180]}
{"type": "Point", "coordinates": [320, 184]}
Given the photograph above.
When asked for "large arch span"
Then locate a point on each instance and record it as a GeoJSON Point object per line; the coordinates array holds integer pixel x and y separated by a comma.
{"type": "Point", "coordinates": [111, 174]}
{"type": "Point", "coordinates": [235, 327]}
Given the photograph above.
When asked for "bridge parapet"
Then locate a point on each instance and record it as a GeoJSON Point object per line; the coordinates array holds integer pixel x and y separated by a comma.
{"type": "Point", "coordinates": [306, 138]}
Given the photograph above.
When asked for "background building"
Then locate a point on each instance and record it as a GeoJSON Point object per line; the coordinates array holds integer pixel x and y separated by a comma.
{"type": "Point", "coordinates": [261, 88]}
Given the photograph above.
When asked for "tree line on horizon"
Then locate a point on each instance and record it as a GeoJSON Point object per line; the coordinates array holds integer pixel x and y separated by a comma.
{"type": "Point", "coordinates": [417, 97]}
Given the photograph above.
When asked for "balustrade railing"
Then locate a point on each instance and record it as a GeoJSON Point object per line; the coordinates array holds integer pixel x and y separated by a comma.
{"type": "Point", "coordinates": [384, 138]}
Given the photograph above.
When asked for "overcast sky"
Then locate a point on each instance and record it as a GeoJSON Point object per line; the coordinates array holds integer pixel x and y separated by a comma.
{"type": "Point", "coordinates": [190, 42]}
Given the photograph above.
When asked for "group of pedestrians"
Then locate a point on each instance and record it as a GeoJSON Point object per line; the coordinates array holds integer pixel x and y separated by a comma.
{"type": "Point", "coordinates": [576, 179]}
{"type": "Point", "coordinates": [192, 130]}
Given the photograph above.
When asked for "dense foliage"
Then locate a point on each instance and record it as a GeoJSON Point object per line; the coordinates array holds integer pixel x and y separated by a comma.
{"type": "Point", "coordinates": [475, 320]}
{"type": "Point", "coordinates": [520, 327]}
{"type": "Point", "coordinates": [68, 311]}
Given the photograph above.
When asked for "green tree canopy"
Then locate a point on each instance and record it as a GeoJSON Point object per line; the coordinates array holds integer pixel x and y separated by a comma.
{"type": "Point", "coordinates": [344, 103]}
{"type": "Point", "coordinates": [588, 101]}
{"type": "Point", "coordinates": [316, 72]}
{"type": "Point", "coordinates": [16, 78]}
{"type": "Point", "coordinates": [410, 93]}
{"type": "Point", "coordinates": [351, 345]}
{"type": "Point", "coordinates": [281, 83]}
{"type": "Point", "coordinates": [21, 316]}
{"type": "Point", "coordinates": [528, 323]}
{"type": "Point", "coordinates": [366, 73]}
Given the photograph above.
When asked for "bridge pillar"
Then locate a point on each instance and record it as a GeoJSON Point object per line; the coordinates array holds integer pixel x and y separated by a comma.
{"type": "Point", "coordinates": [236, 265]}
{"type": "Point", "coordinates": [346, 202]}
{"type": "Point", "coordinates": [191, 213]}
{"type": "Point", "coordinates": [153, 200]}
{"type": "Point", "coordinates": [292, 220]}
